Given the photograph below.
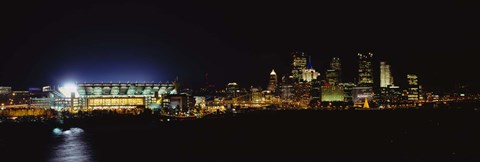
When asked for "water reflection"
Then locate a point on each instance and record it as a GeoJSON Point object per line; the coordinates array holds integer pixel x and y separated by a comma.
{"type": "Point", "coordinates": [71, 145]}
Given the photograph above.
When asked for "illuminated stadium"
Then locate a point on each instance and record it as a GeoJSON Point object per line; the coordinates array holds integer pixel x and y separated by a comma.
{"type": "Point", "coordinates": [116, 95]}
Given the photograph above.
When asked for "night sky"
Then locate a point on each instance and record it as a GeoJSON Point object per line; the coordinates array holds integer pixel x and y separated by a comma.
{"type": "Point", "coordinates": [45, 43]}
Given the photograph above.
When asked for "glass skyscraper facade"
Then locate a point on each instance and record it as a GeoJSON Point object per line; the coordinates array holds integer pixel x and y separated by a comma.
{"type": "Point", "coordinates": [333, 74]}
{"type": "Point", "coordinates": [386, 77]}
{"type": "Point", "coordinates": [298, 65]}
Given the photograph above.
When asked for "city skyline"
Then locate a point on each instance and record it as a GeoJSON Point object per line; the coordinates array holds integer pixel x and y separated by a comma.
{"type": "Point", "coordinates": [302, 88]}
{"type": "Point", "coordinates": [376, 65]}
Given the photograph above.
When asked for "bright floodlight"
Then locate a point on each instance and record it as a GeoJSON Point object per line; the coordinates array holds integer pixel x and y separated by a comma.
{"type": "Point", "coordinates": [70, 87]}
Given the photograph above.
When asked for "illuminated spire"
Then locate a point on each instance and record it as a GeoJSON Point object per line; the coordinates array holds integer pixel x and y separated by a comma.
{"type": "Point", "coordinates": [365, 105]}
{"type": "Point", "coordinates": [310, 62]}
{"type": "Point", "coordinates": [273, 72]}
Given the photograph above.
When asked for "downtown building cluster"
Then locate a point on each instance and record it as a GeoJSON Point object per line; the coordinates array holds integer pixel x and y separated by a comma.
{"type": "Point", "coordinates": [305, 87]}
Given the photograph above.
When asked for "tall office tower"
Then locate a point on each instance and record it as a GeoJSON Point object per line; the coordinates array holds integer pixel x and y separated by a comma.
{"type": "Point", "coordinates": [298, 65]}
{"type": "Point", "coordinates": [316, 93]}
{"type": "Point", "coordinates": [386, 77]}
{"type": "Point", "coordinates": [335, 64]}
{"type": "Point", "coordinates": [333, 74]}
{"type": "Point", "coordinates": [285, 88]}
{"type": "Point", "coordinates": [309, 74]}
{"type": "Point", "coordinates": [365, 70]}
{"type": "Point", "coordinates": [413, 88]}
{"type": "Point", "coordinates": [272, 84]}
{"type": "Point", "coordinates": [232, 90]}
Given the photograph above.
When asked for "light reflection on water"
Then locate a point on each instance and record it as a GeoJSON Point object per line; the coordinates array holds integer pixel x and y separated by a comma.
{"type": "Point", "coordinates": [71, 147]}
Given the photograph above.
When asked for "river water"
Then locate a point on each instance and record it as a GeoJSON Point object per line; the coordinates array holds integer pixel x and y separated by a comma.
{"type": "Point", "coordinates": [70, 145]}
{"type": "Point", "coordinates": [286, 136]}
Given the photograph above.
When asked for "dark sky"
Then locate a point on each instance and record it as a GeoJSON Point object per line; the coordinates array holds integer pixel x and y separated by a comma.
{"type": "Point", "coordinates": [53, 42]}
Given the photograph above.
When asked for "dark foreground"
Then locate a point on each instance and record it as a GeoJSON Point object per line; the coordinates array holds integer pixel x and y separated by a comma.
{"type": "Point", "coordinates": [413, 135]}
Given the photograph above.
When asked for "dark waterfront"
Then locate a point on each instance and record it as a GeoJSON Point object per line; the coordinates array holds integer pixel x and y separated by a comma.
{"type": "Point", "coordinates": [401, 135]}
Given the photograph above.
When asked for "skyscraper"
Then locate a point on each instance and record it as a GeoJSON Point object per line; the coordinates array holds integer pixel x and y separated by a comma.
{"type": "Point", "coordinates": [365, 70]}
{"type": "Point", "coordinates": [333, 74]}
{"type": "Point", "coordinates": [386, 78]}
{"type": "Point", "coordinates": [298, 65]}
{"type": "Point", "coordinates": [232, 90]}
{"type": "Point", "coordinates": [413, 88]}
{"type": "Point", "coordinates": [272, 84]}
{"type": "Point", "coordinates": [316, 93]}
{"type": "Point", "coordinates": [316, 90]}
{"type": "Point", "coordinates": [286, 89]}
{"type": "Point", "coordinates": [308, 73]}
{"type": "Point", "coordinates": [335, 64]}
